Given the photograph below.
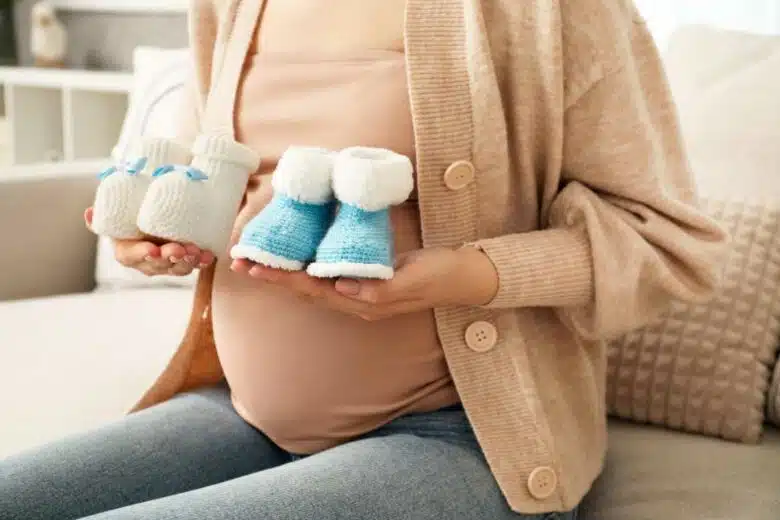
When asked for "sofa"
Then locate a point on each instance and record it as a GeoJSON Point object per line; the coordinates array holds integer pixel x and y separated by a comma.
{"type": "Point", "coordinates": [78, 350]}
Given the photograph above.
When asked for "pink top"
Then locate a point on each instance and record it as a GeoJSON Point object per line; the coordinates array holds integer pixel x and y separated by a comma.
{"type": "Point", "coordinates": [308, 377]}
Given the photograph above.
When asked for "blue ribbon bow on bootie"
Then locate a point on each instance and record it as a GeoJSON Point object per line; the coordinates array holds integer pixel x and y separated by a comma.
{"type": "Point", "coordinates": [129, 167]}
{"type": "Point", "coordinates": [191, 172]}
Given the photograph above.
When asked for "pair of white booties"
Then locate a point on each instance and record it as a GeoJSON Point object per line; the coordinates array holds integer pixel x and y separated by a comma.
{"type": "Point", "coordinates": [172, 193]}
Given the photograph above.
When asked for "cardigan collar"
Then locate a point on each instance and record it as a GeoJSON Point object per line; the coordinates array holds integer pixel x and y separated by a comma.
{"type": "Point", "coordinates": [440, 97]}
{"type": "Point", "coordinates": [447, 63]}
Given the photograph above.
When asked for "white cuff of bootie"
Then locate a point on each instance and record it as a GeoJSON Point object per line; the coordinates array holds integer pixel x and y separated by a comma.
{"type": "Point", "coordinates": [160, 151]}
{"type": "Point", "coordinates": [305, 174]}
{"type": "Point", "coordinates": [372, 178]}
{"type": "Point", "coordinates": [225, 149]}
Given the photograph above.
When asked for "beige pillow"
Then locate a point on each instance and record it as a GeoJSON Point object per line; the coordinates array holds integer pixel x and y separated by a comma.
{"type": "Point", "coordinates": [706, 368]}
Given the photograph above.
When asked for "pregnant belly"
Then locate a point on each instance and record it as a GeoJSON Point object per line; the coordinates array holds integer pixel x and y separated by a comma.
{"type": "Point", "coordinates": [310, 377]}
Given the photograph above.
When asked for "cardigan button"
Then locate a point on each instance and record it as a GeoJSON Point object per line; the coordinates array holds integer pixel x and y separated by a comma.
{"type": "Point", "coordinates": [481, 336]}
{"type": "Point", "coordinates": [542, 483]}
{"type": "Point", "coordinates": [459, 175]}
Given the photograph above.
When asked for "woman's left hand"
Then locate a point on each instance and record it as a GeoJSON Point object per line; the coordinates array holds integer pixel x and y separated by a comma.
{"type": "Point", "coordinates": [424, 279]}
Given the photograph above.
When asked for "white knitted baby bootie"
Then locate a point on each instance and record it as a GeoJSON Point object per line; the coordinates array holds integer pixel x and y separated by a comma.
{"type": "Point", "coordinates": [122, 187]}
{"type": "Point", "coordinates": [198, 204]}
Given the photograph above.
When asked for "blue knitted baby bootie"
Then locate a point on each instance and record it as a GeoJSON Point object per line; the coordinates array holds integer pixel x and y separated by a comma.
{"type": "Point", "coordinates": [286, 233]}
{"type": "Point", "coordinates": [359, 244]}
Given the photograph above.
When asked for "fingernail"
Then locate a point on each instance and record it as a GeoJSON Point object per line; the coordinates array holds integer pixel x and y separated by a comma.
{"type": "Point", "coordinates": [173, 259]}
{"type": "Point", "coordinates": [348, 287]}
{"type": "Point", "coordinates": [190, 259]}
{"type": "Point", "coordinates": [148, 258]}
{"type": "Point", "coordinates": [203, 265]}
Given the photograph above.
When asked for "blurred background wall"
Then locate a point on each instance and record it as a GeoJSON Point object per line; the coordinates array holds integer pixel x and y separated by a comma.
{"type": "Point", "coordinates": [104, 39]}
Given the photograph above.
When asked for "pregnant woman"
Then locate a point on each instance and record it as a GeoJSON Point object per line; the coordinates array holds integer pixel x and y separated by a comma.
{"type": "Point", "coordinates": [553, 209]}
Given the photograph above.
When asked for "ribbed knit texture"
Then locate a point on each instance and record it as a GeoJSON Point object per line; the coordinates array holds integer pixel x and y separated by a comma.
{"type": "Point", "coordinates": [220, 155]}
{"type": "Point", "coordinates": [563, 109]}
{"type": "Point", "coordinates": [286, 233]}
{"type": "Point", "coordinates": [160, 152]}
{"type": "Point", "coordinates": [120, 194]}
{"type": "Point", "coordinates": [200, 210]}
{"type": "Point", "coordinates": [359, 244]}
{"type": "Point", "coordinates": [554, 269]}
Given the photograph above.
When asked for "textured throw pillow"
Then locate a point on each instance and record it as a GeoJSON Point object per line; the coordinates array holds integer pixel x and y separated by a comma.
{"type": "Point", "coordinates": [156, 102]}
{"type": "Point", "coordinates": [705, 368]}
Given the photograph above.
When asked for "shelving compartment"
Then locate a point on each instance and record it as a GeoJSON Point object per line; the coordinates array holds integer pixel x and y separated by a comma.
{"type": "Point", "coordinates": [93, 122]}
{"type": "Point", "coordinates": [36, 123]}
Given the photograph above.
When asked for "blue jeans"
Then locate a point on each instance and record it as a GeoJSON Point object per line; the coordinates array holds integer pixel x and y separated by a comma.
{"type": "Point", "coordinates": [194, 458]}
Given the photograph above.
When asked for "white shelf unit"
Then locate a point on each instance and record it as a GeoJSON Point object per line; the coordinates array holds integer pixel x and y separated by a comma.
{"type": "Point", "coordinates": [62, 115]}
{"type": "Point", "coordinates": [143, 6]}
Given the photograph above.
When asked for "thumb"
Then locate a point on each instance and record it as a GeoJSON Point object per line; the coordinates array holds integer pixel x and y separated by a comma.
{"type": "Point", "coordinates": [380, 291]}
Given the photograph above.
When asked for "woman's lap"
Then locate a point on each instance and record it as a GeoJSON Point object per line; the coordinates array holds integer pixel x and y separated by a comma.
{"type": "Point", "coordinates": [191, 441]}
{"type": "Point", "coordinates": [194, 458]}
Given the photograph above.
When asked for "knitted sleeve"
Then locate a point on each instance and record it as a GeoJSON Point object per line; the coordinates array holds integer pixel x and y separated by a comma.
{"type": "Point", "coordinates": [624, 236]}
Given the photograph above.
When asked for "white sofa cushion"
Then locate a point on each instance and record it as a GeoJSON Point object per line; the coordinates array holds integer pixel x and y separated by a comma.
{"type": "Point", "coordinates": [74, 362]}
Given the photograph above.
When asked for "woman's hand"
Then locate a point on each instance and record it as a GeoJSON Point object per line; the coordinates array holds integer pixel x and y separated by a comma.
{"type": "Point", "coordinates": [424, 279]}
{"type": "Point", "coordinates": [153, 259]}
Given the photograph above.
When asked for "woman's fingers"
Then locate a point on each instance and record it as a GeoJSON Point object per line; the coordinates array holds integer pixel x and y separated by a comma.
{"type": "Point", "coordinates": [152, 259]}
{"type": "Point", "coordinates": [310, 289]}
{"type": "Point", "coordinates": [297, 281]}
{"type": "Point", "coordinates": [182, 268]}
{"type": "Point", "coordinates": [173, 252]}
{"type": "Point", "coordinates": [241, 266]}
{"type": "Point", "coordinates": [132, 253]}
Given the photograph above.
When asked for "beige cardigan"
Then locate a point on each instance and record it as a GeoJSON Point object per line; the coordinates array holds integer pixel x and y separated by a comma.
{"type": "Point", "coordinates": [582, 197]}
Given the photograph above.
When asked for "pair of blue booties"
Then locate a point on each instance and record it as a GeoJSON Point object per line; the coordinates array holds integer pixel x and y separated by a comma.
{"type": "Point", "coordinates": [330, 213]}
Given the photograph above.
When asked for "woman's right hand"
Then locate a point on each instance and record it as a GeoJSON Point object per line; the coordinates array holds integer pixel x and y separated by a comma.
{"type": "Point", "coordinates": [153, 259]}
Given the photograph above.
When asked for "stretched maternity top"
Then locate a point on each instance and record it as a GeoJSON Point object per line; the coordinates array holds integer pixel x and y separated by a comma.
{"type": "Point", "coordinates": [308, 377]}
